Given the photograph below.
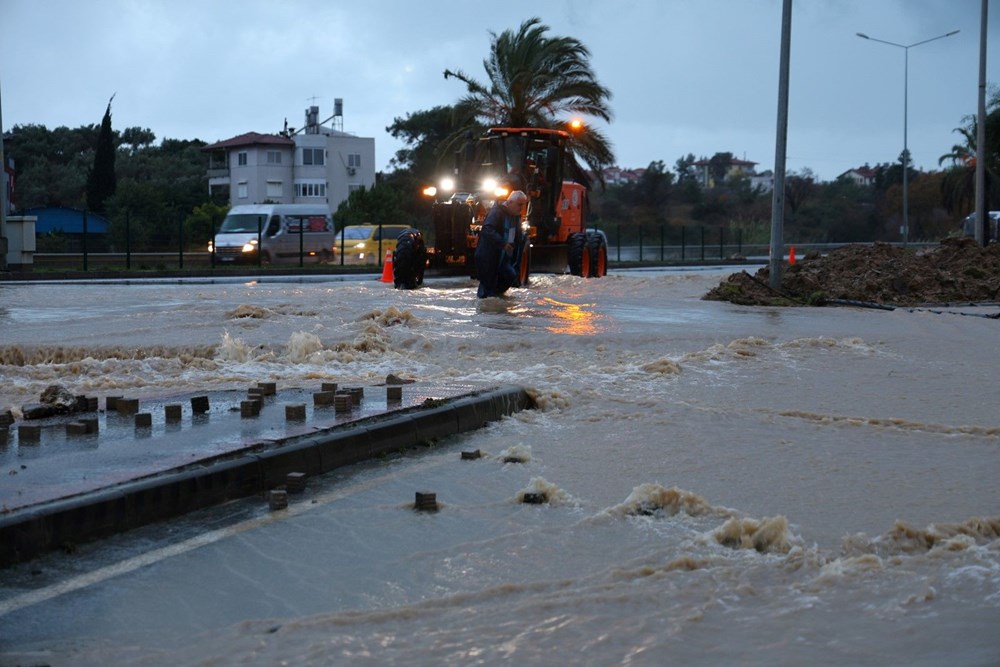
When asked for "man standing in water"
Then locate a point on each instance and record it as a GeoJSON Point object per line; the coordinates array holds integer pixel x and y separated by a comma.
{"type": "Point", "coordinates": [495, 249]}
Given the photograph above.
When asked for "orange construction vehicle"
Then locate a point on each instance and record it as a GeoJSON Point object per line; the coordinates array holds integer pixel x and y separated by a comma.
{"type": "Point", "coordinates": [503, 159]}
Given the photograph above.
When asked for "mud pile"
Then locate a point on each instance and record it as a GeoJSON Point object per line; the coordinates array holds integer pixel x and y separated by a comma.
{"type": "Point", "coordinates": [957, 271]}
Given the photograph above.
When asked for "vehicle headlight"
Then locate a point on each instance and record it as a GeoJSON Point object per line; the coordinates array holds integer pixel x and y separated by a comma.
{"type": "Point", "coordinates": [489, 185]}
{"type": "Point", "coordinates": [447, 184]}
{"type": "Point", "coordinates": [250, 246]}
{"type": "Point", "coordinates": [210, 246]}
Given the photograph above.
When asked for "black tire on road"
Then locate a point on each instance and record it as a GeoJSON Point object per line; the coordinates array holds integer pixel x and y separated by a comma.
{"type": "Point", "coordinates": [598, 255]}
{"type": "Point", "coordinates": [409, 260]}
{"type": "Point", "coordinates": [579, 255]}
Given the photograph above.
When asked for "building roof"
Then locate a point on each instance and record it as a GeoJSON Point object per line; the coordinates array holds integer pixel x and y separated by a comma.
{"type": "Point", "coordinates": [65, 220]}
{"type": "Point", "coordinates": [250, 139]}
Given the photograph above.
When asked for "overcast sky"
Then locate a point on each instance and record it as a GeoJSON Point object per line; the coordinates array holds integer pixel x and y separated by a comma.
{"type": "Point", "coordinates": [688, 76]}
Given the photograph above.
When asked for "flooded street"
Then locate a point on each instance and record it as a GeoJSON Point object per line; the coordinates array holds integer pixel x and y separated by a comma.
{"type": "Point", "coordinates": [725, 484]}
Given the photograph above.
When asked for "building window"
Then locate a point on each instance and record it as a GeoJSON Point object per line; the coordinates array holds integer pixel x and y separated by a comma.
{"type": "Point", "coordinates": [274, 157]}
{"type": "Point", "coordinates": [353, 187]}
{"type": "Point", "coordinates": [241, 158]}
{"type": "Point", "coordinates": [354, 160]}
{"type": "Point", "coordinates": [241, 190]}
{"type": "Point", "coordinates": [310, 189]}
{"type": "Point", "coordinates": [312, 156]}
{"type": "Point", "coordinates": [274, 189]}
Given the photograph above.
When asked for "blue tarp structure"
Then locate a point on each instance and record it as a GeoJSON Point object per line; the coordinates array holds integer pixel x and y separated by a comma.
{"type": "Point", "coordinates": [66, 220]}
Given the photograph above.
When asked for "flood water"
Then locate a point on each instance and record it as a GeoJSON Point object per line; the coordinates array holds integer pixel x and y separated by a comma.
{"type": "Point", "coordinates": [725, 484]}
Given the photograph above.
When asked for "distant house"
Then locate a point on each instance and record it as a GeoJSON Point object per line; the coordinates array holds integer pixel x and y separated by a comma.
{"type": "Point", "coordinates": [736, 169]}
{"type": "Point", "coordinates": [762, 182]}
{"type": "Point", "coordinates": [860, 175]}
{"type": "Point", "coordinates": [620, 176]}
{"type": "Point", "coordinates": [316, 164]}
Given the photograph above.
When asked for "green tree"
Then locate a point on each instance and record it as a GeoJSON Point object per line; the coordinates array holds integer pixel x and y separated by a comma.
{"type": "Point", "coordinates": [718, 168]}
{"type": "Point", "coordinates": [375, 205]}
{"type": "Point", "coordinates": [101, 181]}
{"type": "Point", "coordinates": [538, 80]}
{"type": "Point", "coordinates": [202, 223]}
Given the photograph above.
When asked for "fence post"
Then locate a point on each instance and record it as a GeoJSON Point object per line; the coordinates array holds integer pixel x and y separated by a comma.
{"type": "Point", "coordinates": [618, 232]}
{"type": "Point", "coordinates": [661, 243]}
{"type": "Point", "coordinates": [739, 241]}
{"type": "Point", "coordinates": [128, 239]}
{"type": "Point", "coordinates": [683, 242]}
{"type": "Point", "coordinates": [380, 245]}
{"type": "Point", "coordinates": [260, 250]}
{"type": "Point", "coordinates": [703, 243]}
{"type": "Point", "coordinates": [722, 242]}
{"type": "Point", "coordinates": [301, 243]}
{"type": "Point", "coordinates": [180, 240]}
{"type": "Point", "coordinates": [211, 255]}
{"type": "Point", "coordinates": [84, 244]}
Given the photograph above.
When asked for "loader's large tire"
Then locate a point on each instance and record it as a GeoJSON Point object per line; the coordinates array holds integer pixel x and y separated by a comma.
{"type": "Point", "coordinates": [579, 255]}
{"type": "Point", "coordinates": [409, 260]}
{"type": "Point", "coordinates": [598, 255]}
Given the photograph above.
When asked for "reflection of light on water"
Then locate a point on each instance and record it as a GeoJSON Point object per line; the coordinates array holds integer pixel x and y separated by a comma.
{"type": "Point", "coordinates": [572, 318]}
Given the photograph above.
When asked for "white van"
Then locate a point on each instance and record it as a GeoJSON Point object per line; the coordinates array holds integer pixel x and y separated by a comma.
{"type": "Point", "coordinates": [284, 232]}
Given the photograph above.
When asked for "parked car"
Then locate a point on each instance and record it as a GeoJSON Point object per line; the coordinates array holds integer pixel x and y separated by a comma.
{"type": "Point", "coordinates": [366, 244]}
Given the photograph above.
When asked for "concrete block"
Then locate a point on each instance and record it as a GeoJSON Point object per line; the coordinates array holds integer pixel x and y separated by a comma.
{"type": "Point", "coordinates": [29, 434]}
{"type": "Point", "coordinates": [173, 412]}
{"type": "Point", "coordinates": [268, 388]}
{"type": "Point", "coordinates": [143, 420]}
{"type": "Point", "coordinates": [199, 404]}
{"type": "Point", "coordinates": [127, 406]}
{"type": "Point", "coordinates": [249, 408]}
{"type": "Point", "coordinates": [295, 412]}
{"type": "Point", "coordinates": [323, 398]}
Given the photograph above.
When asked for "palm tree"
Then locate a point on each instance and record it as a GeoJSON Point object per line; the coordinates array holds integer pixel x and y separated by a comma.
{"type": "Point", "coordinates": [535, 80]}
{"type": "Point", "coordinates": [958, 189]}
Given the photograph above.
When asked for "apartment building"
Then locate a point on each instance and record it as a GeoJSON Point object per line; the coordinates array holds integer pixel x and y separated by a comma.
{"type": "Point", "coordinates": [314, 164]}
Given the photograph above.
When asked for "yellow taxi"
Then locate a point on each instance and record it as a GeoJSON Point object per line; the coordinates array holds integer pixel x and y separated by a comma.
{"type": "Point", "coordinates": [365, 244]}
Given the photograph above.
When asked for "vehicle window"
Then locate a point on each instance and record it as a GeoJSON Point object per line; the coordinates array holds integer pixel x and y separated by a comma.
{"type": "Point", "coordinates": [356, 233]}
{"type": "Point", "coordinates": [391, 232]}
{"type": "Point", "coordinates": [242, 222]}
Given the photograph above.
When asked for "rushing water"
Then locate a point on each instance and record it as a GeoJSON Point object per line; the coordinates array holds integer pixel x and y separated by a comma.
{"type": "Point", "coordinates": [726, 484]}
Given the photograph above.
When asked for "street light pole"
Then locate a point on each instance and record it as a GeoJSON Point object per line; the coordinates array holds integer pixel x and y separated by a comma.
{"type": "Point", "coordinates": [906, 152]}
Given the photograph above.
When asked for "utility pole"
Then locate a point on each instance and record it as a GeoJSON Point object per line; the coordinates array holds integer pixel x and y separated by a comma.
{"type": "Point", "coordinates": [982, 217]}
{"type": "Point", "coordinates": [778, 195]}
{"type": "Point", "coordinates": [3, 196]}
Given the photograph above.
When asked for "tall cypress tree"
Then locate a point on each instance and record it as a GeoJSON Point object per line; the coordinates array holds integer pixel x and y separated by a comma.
{"type": "Point", "coordinates": [101, 181]}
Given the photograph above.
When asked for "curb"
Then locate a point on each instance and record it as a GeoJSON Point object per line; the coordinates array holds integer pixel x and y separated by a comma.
{"type": "Point", "coordinates": [25, 534]}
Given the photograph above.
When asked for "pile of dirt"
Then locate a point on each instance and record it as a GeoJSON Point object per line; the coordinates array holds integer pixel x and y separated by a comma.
{"type": "Point", "coordinates": [955, 272]}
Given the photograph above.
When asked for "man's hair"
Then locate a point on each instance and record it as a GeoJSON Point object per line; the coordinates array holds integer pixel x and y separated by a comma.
{"type": "Point", "coordinates": [517, 197]}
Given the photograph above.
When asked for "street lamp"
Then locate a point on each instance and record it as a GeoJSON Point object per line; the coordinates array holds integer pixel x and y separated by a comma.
{"type": "Point", "coordinates": [906, 153]}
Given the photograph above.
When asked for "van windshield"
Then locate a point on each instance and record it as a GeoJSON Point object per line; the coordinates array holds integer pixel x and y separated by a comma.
{"type": "Point", "coordinates": [242, 222]}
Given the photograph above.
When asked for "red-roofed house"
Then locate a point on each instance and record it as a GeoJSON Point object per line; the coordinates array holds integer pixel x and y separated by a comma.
{"type": "Point", "coordinates": [860, 175]}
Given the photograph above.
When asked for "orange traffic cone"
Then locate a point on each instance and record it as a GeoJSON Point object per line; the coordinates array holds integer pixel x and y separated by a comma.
{"type": "Point", "coordinates": [387, 267]}
{"type": "Point", "coordinates": [791, 255]}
